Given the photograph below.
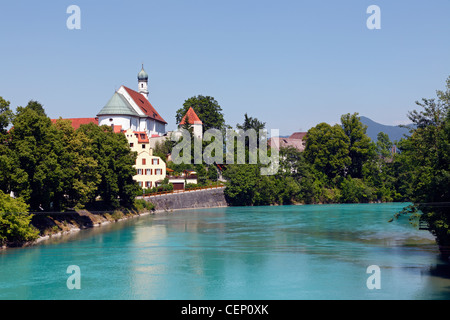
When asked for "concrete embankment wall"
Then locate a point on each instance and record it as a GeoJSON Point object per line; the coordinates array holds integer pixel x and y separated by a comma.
{"type": "Point", "coordinates": [190, 200]}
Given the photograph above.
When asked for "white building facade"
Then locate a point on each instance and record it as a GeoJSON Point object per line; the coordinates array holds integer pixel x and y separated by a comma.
{"type": "Point", "coordinates": [150, 169]}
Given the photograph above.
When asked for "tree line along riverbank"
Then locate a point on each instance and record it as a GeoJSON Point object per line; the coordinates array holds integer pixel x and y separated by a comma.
{"type": "Point", "coordinates": [340, 164]}
{"type": "Point", "coordinates": [53, 166]}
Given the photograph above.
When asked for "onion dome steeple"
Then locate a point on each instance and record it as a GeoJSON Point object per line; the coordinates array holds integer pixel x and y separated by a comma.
{"type": "Point", "coordinates": [142, 75]}
{"type": "Point", "coordinates": [143, 82]}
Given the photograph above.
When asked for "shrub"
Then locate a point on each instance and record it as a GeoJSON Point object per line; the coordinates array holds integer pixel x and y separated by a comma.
{"type": "Point", "coordinates": [141, 205]}
{"type": "Point", "coordinates": [117, 215]}
{"type": "Point", "coordinates": [355, 191]}
{"type": "Point", "coordinates": [15, 221]}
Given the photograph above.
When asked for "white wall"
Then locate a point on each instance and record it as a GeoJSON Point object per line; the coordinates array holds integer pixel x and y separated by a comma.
{"type": "Point", "coordinates": [124, 121]}
{"type": "Point", "coordinates": [142, 124]}
{"type": "Point", "coordinates": [160, 128]}
{"type": "Point", "coordinates": [198, 131]}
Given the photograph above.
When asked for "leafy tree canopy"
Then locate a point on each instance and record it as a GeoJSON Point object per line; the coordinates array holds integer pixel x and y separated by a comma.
{"type": "Point", "coordinates": [327, 149]}
{"type": "Point", "coordinates": [251, 123]}
{"type": "Point", "coordinates": [206, 108]}
{"type": "Point", "coordinates": [360, 147]}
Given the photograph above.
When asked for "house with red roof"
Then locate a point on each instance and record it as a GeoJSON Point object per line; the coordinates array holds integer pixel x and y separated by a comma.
{"type": "Point", "coordinates": [77, 122]}
{"type": "Point", "coordinates": [150, 168]}
{"type": "Point", "coordinates": [296, 140]}
{"type": "Point", "coordinates": [130, 109]}
{"type": "Point", "coordinates": [194, 121]}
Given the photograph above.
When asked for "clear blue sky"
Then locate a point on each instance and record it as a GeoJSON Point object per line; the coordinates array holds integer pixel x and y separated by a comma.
{"type": "Point", "coordinates": [292, 64]}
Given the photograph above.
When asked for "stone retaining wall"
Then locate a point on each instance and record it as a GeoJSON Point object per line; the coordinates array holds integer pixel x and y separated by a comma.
{"type": "Point", "coordinates": [189, 200]}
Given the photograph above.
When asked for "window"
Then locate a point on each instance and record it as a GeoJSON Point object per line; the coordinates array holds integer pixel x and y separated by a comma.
{"type": "Point", "coordinates": [148, 172]}
{"type": "Point", "coordinates": [155, 161]}
{"type": "Point", "coordinates": [139, 171]}
{"type": "Point", "coordinates": [148, 184]}
{"type": "Point", "coordinates": [131, 145]}
{"type": "Point", "coordinates": [143, 146]}
{"type": "Point", "coordinates": [144, 162]}
{"type": "Point", "coordinates": [158, 172]}
{"type": "Point", "coordinates": [140, 184]}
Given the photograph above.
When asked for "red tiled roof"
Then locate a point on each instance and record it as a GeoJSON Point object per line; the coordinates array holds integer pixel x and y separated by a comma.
{"type": "Point", "coordinates": [144, 105]}
{"type": "Point", "coordinates": [192, 117]}
{"type": "Point", "coordinates": [287, 142]}
{"type": "Point", "coordinates": [298, 135]}
{"type": "Point", "coordinates": [77, 122]}
{"type": "Point", "coordinates": [117, 129]}
{"type": "Point", "coordinates": [142, 136]}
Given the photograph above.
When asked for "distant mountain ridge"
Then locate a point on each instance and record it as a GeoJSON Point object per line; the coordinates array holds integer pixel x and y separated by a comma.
{"type": "Point", "coordinates": [395, 133]}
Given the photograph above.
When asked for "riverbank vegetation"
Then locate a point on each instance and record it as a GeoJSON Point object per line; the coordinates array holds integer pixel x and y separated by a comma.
{"type": "Point", "coordinates": [15, 222]}
{"type": "Point", "coordinates": [426, 166]}
{"type": "Point", "coordinates": [52, 167]}
{"type": "Point", "coordinates": [340, 164]}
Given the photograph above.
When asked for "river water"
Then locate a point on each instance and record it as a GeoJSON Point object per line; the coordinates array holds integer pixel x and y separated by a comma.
{"type": "Point", "coordinates": [276, 253]}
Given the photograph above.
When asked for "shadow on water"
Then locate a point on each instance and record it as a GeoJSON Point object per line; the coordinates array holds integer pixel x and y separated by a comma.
{"type": "Point", "coordinates": [441, 270]}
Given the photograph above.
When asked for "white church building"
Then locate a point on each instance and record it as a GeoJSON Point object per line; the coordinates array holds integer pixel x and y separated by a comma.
{"type": "Point", "coordinates": [129, 109]}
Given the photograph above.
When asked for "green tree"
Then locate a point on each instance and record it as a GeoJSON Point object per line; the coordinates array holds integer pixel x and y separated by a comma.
{"type": "Point", "coordinates": [384, 145]}
{"type": "Point", "coordinates": [206, 108]}
{"type": "Point", "coordinates": [11, 176]}
{"type": "Point", "coordinates": [35, 142]}
{"type": "Point", "coordinates": [6, 116]}
{"type": "Point", "coordinates": [201, 174]}
{"type": "Point", "coordinates": [115, 163]}
{"type": "Point", "coordinates": [241, 183]}
{"type": "Point", "coordinates": [327, 149]}
{"type": "Point", "coordinates": [360, 147]}
{"type": "Point", "coordinates": [354, 190]}
{"type": "Point", "coordinates": [163, 149]}
{"type": "Point", "coordinates": [80, 175]}
{"type": "Point", "coordinates": [251, 123]}
{"type": "Point", "coordinates": [266, 191]}
{"type": "Point", "coordinates": [15, 221]}
{"type": "Point", "coordinates": [212, 174]}
{"type": "Point", "coordinates": [292, 163]}
{"type": "Point", "coordinates": [426, 156]}
{"type": "Point", "coordinates": [247, 141]}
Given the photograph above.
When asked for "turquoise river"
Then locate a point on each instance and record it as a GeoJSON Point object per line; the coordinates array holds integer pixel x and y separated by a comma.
{"type": "Point", "coordinates": [258, 253]}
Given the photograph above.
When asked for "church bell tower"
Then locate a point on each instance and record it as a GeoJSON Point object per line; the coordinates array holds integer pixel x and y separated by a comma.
{"type": "Point", "coordinates": [143, 82]}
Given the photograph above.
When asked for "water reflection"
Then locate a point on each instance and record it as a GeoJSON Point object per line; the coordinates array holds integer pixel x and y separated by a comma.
{"type": "Point", "coordinates": [292, 252]}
